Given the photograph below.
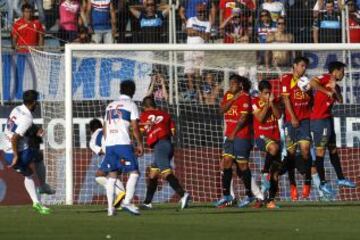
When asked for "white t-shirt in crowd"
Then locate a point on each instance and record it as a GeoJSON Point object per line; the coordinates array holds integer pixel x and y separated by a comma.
{"type": "Point", "coordinates": [200, 26]}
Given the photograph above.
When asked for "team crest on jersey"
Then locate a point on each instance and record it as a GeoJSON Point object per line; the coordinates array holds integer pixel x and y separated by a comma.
{"type": "Point", "coordinates": [261, 103]}
{"type": "Point", "coordinates": [229, 96]}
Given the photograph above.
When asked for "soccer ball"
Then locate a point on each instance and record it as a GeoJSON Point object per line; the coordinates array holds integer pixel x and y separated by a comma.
{"type": "Point", "coordinates": [304, 84]}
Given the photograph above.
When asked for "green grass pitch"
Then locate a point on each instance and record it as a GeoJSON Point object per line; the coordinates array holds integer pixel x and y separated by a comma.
{"type": "Point", "coordinates": [320, 221]}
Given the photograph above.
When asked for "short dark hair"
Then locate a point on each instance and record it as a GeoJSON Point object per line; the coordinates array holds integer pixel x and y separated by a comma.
{"type": "Point", "coordinates": [95, 124]}
{"type": "Point", "coordinates": [299, 59]}
{"type": "Point", "coordinates": [264, 84]}
{"type": "Point", "coordinates": [128, 88]}
{"type": "Point", "coordinates": [148, 101]}
{"type": "Point", "coordinates": [30, 96]}
{"type": "Point", "coordinates": [336, 65]}
{"type": "Point", "coordinates": [27, 6]}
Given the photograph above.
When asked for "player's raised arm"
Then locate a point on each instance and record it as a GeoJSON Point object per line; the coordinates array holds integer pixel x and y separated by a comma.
{"type": "Point", "coordinates": [138, 137]}
{"type": "Point", "coordinates": [315, 84]}
{"type": "Point", "coordinates": [274, 104]}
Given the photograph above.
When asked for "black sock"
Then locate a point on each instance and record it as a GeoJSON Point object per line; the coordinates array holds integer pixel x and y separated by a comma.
{"type": "Point", "coordinates": [174, 183]}
{"type": "Point", "coordinates": [319, 162]}
{"type": "Point", "coordinates": [268, 160]}
{"type": "Point", "coordinates": [226, 181]}
{"type": "Point", "coordinates": [291, 169]}
{"type": "Point", "coordinates": [308, 164]}
{"type": "Point", "coordinates": [151, 189]}
{"type": "Point", "coordinates": [246, 177]}
{"type": "Point", "coordinates": [274, 185]}
{"type": "Point", "coordinates": [335, 161]}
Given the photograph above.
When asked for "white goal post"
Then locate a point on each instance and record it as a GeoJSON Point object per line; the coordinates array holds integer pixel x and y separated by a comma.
{"type": "Point", "coordinates": [70, 48]}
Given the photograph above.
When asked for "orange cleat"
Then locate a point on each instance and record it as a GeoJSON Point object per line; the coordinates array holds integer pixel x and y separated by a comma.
{"type": "Point", "coordinates": [306, 191]}
{"type": "Point", "coordinates": [272, 205]}
{"type": "Point", "coordinates": [293, 193]}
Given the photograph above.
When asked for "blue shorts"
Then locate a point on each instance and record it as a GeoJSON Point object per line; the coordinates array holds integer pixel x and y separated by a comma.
{"type": "Point", "coordinates": [119, 158]}
{"type": "Point", "coordinates": [263, 142]}
{"type": "Point", "coordinates": [22, 166]}
{"type": "Point", "coordinates": [238, 149]}
{"type": "Point", "coordinates": [323, 132]}
{"type": "Point", "coordinates": [295, 135]}
{"type": "Point", "coordinates": [163, 153]}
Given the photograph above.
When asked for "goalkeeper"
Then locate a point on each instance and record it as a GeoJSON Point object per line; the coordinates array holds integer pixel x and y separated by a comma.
{"type": "Point", "coordinates": [34, 134]}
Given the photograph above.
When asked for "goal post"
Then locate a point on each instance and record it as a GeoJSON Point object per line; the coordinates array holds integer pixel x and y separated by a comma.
{"type": "Point", "coordinates": [200, 135]}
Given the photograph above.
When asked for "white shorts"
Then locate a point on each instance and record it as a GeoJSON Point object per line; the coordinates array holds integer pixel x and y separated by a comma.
{"type": "Point", "coordinates": [193, 60]}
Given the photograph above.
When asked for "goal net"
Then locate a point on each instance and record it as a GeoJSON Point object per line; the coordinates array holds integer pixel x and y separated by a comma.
{"type": "Point", "coordinates": [190, 85]}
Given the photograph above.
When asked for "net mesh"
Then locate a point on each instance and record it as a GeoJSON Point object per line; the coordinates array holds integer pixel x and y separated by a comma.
{"type": "Point", "coordinates": [190, 86]}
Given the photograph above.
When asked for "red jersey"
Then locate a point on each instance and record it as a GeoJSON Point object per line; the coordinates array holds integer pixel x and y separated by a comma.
{"type": "Point", "coordinates": [157, 125]}
{"type": "Point", "coordinates": [242, 105]}
{"type": "Point", "coordinates": [269, 128]}
{"type": "Point", "coordinates": [322, 103]}
{"type": "Point", "coordinates": [27, 32]}
{"type": "Point", "coordinates": [300, 101]}
{"type": "Point", "coordinates": [228, 5]}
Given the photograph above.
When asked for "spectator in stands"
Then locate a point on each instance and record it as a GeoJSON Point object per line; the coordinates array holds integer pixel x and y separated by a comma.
{"type": "Point", "coordinates": [300, 20]}
{"type": "Point", "coordinates": [14, 6]}
{"type": "Point", "coordinates": [40, 9]}
{"type": "Point", "coordinates": [198, 31]}
{"type": "Point", "coordinates": [152, 23]}
{"type": "Point", "coordinates": [320, 5]}
{"type": "Point", "coordinates": [101, 19]}
{"type": "Point", "coordinates": [226, 7]}
{"type": "Point", "coordinates": [279, 58]}
{"type": "Point", "coordinates": [327, 27]}
{"type": "Point", "coordinates": [236, 28]}
{"type": "Point", "coordinates": [83, 36]}
{"type": "Point", "coordinates": [210, 93]}
{"type": "Point", "coordinates": [158, 88]}
{"type": "Point", "coordinates": [276, 9]}
{"type": "Point", "coordinates": [70, 19]}
{"type": "Point", "coordinates": [123, 15]}
{"type": "Point", "coordinates": [27, 32]}
{"type": "Point", "coordinates": [187, 10]}
{"type": "Point", "coordinates": [354, 22]}
{"type": "Point", "coordinates": [264, 27]}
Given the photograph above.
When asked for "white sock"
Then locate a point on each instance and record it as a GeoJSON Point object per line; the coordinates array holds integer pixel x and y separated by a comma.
{"type": "Point", "coordinates": [130, 187]}
{"type": "Point", "coordinates": [232, 189]}
{"type": "Point", "coordinates": [110, 187]}
{"type": "Point", "coordinates": [30, 188]}
{"type": "Point", "coordinates": [256, 190]}
{"type": "Point", "coordinates": [119, 187]}
{"type": "Point", "coordinates": [316, 181]}
{"type": "Point", "coordinates": [101, 181]}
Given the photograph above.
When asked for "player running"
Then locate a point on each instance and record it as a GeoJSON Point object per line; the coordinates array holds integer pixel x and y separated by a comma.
{"type": "Point", "coordinates": [322, 124]}
{"type": "Point", "coordinates": [97, 146]}
{"type": "Point", "coordinates": [159, 127]}
{"type": "Point", "coordinates": [267, 136]}
{"type": "Point", "coordinates": [236, 106]}
{"type": "Point", "coordinates": [18, 155]}
{"type": "Point", "coordinates": [120, 115]}
{"type": "Point", "coordinates": [297, 124]}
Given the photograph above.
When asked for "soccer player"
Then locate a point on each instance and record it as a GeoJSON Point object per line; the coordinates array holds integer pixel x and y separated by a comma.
{"type": "Point", "coordinates": [120, 115]}
{"type": "Point", "coordinates": [297, 124]}
{"type": "Point", "coordinates": [34, 135]}
{"type": "Point", "coordinates": [322, 124]}
{"type": "Point", "coordinates": [97, 146]}
{"type": "Point", "coordinates": [18, 155]}
{"type": "Point", "coordinates": [158, 126]}
{"type": "Point", "coordinates": [267, 135]}
{"type": "Point", "coordinates": [236, 106]}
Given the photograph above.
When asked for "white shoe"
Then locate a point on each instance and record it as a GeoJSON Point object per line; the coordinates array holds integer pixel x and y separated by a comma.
{"type": "Point", "coordinates": [131, 208]}
{"type": "Point", "coordinates": [111, 212]}
{"type": "Point", "coordinates": [184, 201]}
